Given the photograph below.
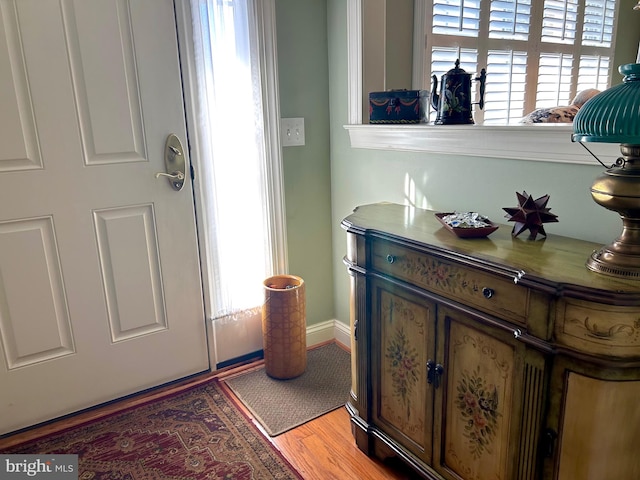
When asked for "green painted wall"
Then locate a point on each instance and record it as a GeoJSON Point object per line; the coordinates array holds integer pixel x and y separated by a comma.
{"type": "Point", "coordinates": [304, 92]}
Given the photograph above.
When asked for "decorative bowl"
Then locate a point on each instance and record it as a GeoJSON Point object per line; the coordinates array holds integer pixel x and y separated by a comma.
{"type": "Point", "coordinates": [467, 232]}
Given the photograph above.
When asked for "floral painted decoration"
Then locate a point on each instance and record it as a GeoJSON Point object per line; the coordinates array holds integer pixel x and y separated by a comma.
{"type": "Point", "coordinates": [403, 367]}
{"type": "Point", "coordinates": [478, 406]}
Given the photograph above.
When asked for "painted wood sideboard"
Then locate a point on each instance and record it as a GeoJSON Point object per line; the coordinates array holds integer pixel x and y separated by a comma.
{"type": "Point", "coordinates": [493, 358]}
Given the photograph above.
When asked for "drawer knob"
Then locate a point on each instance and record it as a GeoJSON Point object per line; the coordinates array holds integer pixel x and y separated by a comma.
{"type": "Point", "coordinates": [391, 258]}
{"type": "Point", "coordinates": [487, 292]}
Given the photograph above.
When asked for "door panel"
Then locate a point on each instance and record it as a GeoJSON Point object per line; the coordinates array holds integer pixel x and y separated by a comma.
{"type": "Point", "coordinates": [106, 81]}
{"type": "Point", "coordinates": [130, 267]}
{"type": "Point", "coordinates": [492, 395]}
{"type": "Point", "coordinates": [100, 292]}
{"type": "Point", "coordinates": [480, 385]}
{"type": "Point", "coordinates": [405, 325]}
{"type": "Point", "coordinates": [32, 242]}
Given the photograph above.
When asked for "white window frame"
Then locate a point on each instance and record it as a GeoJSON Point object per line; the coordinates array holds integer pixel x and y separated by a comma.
{"type": "Point", "coordinates": [543, 142]}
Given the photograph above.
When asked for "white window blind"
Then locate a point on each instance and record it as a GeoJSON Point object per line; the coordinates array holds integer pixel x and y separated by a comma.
{"type": "Point", "coordinates": [536, 53]}
{"type": "Point", "coordinates": [560, 21]}
{"type": "Point", "coordinates": [510, 19]}
{"type": "Point", "coordinates": [460, 17]}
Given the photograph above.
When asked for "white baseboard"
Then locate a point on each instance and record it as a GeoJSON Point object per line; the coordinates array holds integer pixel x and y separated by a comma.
{"type": "Point", "coordinates": [328, 330]}
{"type": "Point", "coordinates": [221, 352]}
{"type": "Point", "coordinates": [343, 334]}
{"type": "Point", "coordinates": [320, 333]}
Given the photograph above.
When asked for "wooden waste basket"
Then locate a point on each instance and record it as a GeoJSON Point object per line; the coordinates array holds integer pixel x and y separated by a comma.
{"type": "Point", "coordinates": [284, 326]}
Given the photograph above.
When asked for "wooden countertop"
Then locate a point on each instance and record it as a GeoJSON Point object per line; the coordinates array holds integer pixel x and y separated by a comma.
{"type": "Point", "coordinates": [554, 263]}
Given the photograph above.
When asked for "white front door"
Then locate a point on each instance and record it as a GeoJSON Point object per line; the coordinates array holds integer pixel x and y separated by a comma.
{"type": "Point", "coordinates": [100, 291]}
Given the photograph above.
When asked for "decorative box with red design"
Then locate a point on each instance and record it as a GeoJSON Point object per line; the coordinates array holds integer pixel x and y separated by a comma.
{"type": "Point", "coordinates": [399, 106]}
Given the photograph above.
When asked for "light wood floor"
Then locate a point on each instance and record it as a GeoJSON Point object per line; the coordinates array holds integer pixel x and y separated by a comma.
{"type": "Point", "coordinates": [322, 449]}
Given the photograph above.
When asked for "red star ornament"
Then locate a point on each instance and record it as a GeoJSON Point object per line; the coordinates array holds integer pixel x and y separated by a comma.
{"type": "Point", "coordinates": [530, 215]}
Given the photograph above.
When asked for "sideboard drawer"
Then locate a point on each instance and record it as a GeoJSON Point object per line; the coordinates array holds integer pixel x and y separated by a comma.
{"type": "Point", "coordinates": [608, 330]}
{"type": "Point", "coordinates": [487, 292]}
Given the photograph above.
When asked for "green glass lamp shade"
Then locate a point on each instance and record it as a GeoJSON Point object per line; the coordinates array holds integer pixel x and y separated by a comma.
{"type": "Point", "coordinates": [612, 116]}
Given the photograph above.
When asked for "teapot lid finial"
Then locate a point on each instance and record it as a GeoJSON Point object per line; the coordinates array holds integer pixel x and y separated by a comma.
{"type": "Point", "coordinates": [457, 70]}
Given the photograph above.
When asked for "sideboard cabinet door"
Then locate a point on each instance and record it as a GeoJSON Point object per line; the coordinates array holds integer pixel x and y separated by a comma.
{"type": "Point", "coordinates": [403, 329]}
{"type": "Point", "coordinates": [489, 408]}
{"type": "Point", "coordinates": [596, 417]}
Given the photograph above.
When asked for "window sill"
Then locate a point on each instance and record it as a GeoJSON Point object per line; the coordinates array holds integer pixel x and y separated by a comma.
{"type": "Point", "coordinates": [540, 142]}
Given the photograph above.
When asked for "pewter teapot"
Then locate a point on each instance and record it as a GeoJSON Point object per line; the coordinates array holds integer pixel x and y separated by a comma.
{"type": "Point", "coordinates": [454, 102]}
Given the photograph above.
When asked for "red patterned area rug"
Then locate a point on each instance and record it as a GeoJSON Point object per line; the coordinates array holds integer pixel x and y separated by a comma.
{"type": "Point", "coordinates": [196, 434]}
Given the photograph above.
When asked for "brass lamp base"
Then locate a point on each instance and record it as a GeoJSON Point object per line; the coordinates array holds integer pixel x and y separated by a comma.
{"type": "Point", "coordinates": [618, 189]}
{"type": "Point", "coordinates": [608, 261]}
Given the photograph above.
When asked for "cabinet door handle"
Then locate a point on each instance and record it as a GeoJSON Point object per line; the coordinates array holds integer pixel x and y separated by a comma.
{"type": "Point", "coordinates": [434, 372]}
{"type": "Point", "coordinates": [439, 370]}
{"type": "Point", "coordinates": [488, 292]}
{"type": "Point", "coordinates": [391, 258]}
{"type": "Point", "coordinates": [430, 371]}
{"type": "Point", "coordinates": [355, 330]}
{"type": "Point", "coordinates": [549, 442]}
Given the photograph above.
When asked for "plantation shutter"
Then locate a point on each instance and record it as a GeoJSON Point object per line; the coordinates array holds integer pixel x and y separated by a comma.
{"type": "Point", "coordinates": [537, 54]}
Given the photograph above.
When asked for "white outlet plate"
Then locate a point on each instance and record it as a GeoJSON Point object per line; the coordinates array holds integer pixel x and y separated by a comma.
{"type": "Point", "coordinates": [292, 132]}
